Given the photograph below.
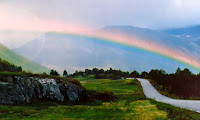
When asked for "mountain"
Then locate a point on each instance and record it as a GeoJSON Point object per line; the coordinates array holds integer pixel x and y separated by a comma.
{"type": "Point", "coordinates": [62, 51]}
{"type": "Point", "coordinates": [14, 58]}
{"type": "Point", "coordinates": [158, 37]}
{"type": "Point", "coordinates": [191, 32]}
{"type": "Point", "coordinates": [191, 35]}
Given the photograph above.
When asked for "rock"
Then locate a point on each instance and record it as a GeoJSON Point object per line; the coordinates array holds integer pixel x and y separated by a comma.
{"type": "Point", "coordinates": [26, 89]}
{"type": "Point", "coordinates": [51, 89]}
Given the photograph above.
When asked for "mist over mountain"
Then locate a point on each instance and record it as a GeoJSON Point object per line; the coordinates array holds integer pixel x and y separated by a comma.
{"type": "Point", "coordinates": [61, 51]}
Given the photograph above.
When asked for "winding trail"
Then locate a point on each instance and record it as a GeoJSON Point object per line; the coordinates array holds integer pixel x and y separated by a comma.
{"type": "Point", "coordinates": [151, 92]}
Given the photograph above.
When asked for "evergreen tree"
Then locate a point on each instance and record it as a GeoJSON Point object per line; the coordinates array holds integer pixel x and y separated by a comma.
{"type": "Point", "coordinates": [54, 73]}
{"type": "Point", "coordinates": [134, 74]}
{"type": "Point", "coordinates": [65, 73]}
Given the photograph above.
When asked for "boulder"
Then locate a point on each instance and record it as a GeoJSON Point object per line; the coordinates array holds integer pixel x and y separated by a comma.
{"type": "Point", "coordinates": [26, 89]}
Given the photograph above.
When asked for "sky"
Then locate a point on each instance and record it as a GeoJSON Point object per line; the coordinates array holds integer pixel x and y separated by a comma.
{"type": "Point", "coordinates": [153, 14]}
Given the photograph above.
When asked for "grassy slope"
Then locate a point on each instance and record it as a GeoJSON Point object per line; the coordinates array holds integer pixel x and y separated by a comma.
{"type": "Point", "coordinates": [12, 57]}
{"type": "Point", "coordinates": [130, 104]}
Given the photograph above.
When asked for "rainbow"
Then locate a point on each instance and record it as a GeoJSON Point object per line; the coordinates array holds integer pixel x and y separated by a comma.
{"type": "Point", "coordinates": [112, 38]}
{"type": "Point", "coordinates": [143, 45]}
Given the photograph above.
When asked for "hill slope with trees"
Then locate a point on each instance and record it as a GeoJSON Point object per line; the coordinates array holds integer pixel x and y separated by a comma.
{"type": "Point", "coordinates": [27, 65]}
{"type": "Point", "coordinates": [8, 67]}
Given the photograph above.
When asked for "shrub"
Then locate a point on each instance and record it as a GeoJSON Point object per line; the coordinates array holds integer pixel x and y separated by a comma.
{"type": "Point", "coordinates": [76, 82]}
{"type": "Point", "coordinates": [103, 96]}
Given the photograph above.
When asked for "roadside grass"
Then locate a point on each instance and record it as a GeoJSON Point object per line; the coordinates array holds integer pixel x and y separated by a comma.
{"type": "Point", "coordinates": [176, 113]}
{"type": "Point", "coordinates": [130, 104]}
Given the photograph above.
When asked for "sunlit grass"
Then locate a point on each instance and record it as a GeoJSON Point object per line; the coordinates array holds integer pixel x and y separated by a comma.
{"type": "Point", "coordinates": [144, 110]}
{"type": "Point", "coordinates": [108, 110]}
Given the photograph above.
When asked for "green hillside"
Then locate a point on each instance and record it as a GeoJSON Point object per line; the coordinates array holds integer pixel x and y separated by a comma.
{"type": "Point", "coordinates": [27, 65]}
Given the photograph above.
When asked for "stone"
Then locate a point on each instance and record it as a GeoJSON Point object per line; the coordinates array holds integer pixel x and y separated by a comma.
{"type": "Point", "coordinates": [26, 89]}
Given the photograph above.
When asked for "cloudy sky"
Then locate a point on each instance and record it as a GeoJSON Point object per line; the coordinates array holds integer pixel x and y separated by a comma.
{"type": "Point", "coordinates": [154, 14]}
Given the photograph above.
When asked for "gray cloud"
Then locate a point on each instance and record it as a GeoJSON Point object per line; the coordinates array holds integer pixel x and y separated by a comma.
{"type": "Point", "coordinates": [154, 14]}
{"type": "Point", "coordinates": [141, 13]}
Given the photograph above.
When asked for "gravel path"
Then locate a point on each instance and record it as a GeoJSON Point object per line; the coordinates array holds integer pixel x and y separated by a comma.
{"type": "Point", "coordinates": [151, 92]}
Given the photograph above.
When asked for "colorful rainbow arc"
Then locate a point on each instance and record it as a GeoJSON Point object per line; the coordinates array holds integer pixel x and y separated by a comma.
{"type": "Point", "coordinates": [139, 44]}
{"type": "Point", "coordinates": [120, 39]}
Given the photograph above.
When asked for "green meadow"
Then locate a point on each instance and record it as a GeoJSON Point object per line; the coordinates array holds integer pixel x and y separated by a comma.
{"type": "Point", "coordinates": [129, 103]}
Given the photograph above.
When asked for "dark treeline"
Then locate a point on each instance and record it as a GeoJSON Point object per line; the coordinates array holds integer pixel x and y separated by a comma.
{"type": "Point", "coordinates": [183, 83]}
{"type": "Point", "coordinates": [54, 73]}
{"type": "Point", "coordinates": [102, 74]}
{"type": "Point", "coordinates": [109, 74]}
{"type": "Point", "coordinates": [8, 67]}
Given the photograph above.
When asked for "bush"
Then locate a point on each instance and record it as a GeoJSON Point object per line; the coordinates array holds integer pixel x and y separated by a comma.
{"type": "Point", "coordinates": [103, 96]}
{"type": "Point", "coordinates": [76, 82]}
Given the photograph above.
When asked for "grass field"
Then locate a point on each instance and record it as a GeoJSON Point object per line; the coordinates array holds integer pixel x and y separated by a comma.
{"type": "Point", "coordinates": [130, 103]}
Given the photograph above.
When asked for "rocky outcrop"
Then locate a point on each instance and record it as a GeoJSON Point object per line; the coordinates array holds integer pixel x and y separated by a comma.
{"type": "Point", "coordinates": [14, 90]}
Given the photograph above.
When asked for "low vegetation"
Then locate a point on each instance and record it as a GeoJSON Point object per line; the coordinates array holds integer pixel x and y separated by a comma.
{"type": "Point", "coordinates": [176, 113]}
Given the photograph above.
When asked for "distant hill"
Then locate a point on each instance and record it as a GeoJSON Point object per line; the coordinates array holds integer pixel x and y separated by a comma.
{"type": "Point", "coordinates": [148, 34]}
{"type": "Point", "coordinates": [14, 58]}
{"type": "Point", "coordinates": [191, 36]}
{"type": "Point", "coordinates": [60, 51]}
{"type": "Point", "coordinates": [191, 32]}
